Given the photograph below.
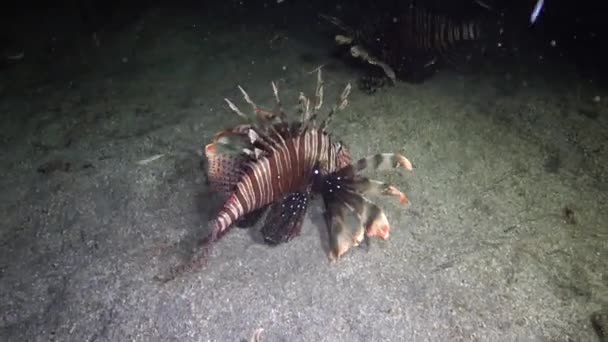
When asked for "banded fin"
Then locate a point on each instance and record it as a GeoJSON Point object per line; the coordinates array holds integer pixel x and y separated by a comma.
{"type": "Point", "coordinates": [271, 128]}
{"type": "Point", "coordinates": [343, 193]}
{"type": "Point", "coordinates": [285, 218]}
{"type": "Point", "coordinates": [384, 161]}
{"type": "Point", "coordinates": [371, 217]}
{"type": "Point", "coordinates": [371, 221]}
{"type": "Point", "coordinates": [309, 110]}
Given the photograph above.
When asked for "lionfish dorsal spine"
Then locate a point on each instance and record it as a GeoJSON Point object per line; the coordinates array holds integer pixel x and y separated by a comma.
{"type": "Point", "coordinates": [341, 105]}
{"type": "Point", "coordinates": [319, 93]}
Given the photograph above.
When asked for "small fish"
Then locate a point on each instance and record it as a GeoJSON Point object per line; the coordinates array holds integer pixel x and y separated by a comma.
{"type": "Point", "coordinates": [536, 11]}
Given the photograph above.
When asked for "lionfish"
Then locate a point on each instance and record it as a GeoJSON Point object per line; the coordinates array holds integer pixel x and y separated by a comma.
{"type": "Point", "coordinates": [273, 165]}
{"type": "Point", "coordinates": [414, 41]}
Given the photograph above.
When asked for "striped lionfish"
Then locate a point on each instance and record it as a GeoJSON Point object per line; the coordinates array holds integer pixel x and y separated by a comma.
{"type": "Point", "coordinates": [411, 45]}
{"type": "Point", "coordinates": [275, 165]}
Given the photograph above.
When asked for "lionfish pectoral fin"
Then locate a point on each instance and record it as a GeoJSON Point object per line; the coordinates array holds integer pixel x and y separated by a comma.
{"type": "Point", "coordinates": [343, 193]}
{"type": "Point", "coordinates": [249, 220]}
{"type": "Point", "coordinates": [285, 218]}
{"type": "Point", "coordinates": [371, 217]}
{"type": "Point", "coordinates": [384, 161]}
{"type": "Point", "coordinates": [370, 186]}
{"type": "Point", "coordinates": [376, 223]}
{"type": "Point", "coordinates": [343, 233]}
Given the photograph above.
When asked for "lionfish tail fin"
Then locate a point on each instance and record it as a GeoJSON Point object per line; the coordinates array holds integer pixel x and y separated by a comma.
{"type": "Point", "coordinates": [197, 261]}
{"type": "Point", "coordinates": [199, 257]}
{"type": "Point", "coordinates": [340, 105]}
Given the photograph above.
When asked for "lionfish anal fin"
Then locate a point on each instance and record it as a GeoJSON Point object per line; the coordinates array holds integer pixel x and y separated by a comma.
{"type": "Point", "coordinates": [249, 220]}
{"type": "Point", "coordinates": [344, 230]}
{"type": "Point", "coordinates": [285, 218]}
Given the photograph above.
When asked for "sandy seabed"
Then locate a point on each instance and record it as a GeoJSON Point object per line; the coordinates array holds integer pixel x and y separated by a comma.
{"type": "Point", "coordinates": [505, 238]}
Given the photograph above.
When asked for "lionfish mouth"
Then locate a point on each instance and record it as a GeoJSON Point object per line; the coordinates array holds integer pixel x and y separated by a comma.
{"type": "Point", "coordinates": [268, 169]}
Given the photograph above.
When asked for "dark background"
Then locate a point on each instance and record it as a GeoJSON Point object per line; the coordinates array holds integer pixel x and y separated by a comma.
{"type": "Point", "coordinates": [577, 27]}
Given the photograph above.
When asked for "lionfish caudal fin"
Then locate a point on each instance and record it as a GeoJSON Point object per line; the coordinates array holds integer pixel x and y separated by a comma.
{"type": "Point", "coordinates": [350, 216]}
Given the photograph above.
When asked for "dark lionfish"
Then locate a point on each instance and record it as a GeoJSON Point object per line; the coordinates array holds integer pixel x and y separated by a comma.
{"type": "Point", "coordinates": [416, 41]}
{"type": "Point", "coordinates": [273, 165]}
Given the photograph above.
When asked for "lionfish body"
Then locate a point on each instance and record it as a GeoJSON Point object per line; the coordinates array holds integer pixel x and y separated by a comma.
{"type": "Point", "coordinates": [414, 41]}
{"type": "Point", "coordinates": [275, 166]}
{"type": "Point", "coordinates": [280, 171]}
{"type": "Point", "coordinates": [426, 34]}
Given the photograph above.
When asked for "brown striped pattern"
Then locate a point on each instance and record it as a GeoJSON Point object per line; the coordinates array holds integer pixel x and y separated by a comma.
{"type": "Point", "coordinates": [287, 168]}
{"type": "Point", "coordinates": [430, 32]}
